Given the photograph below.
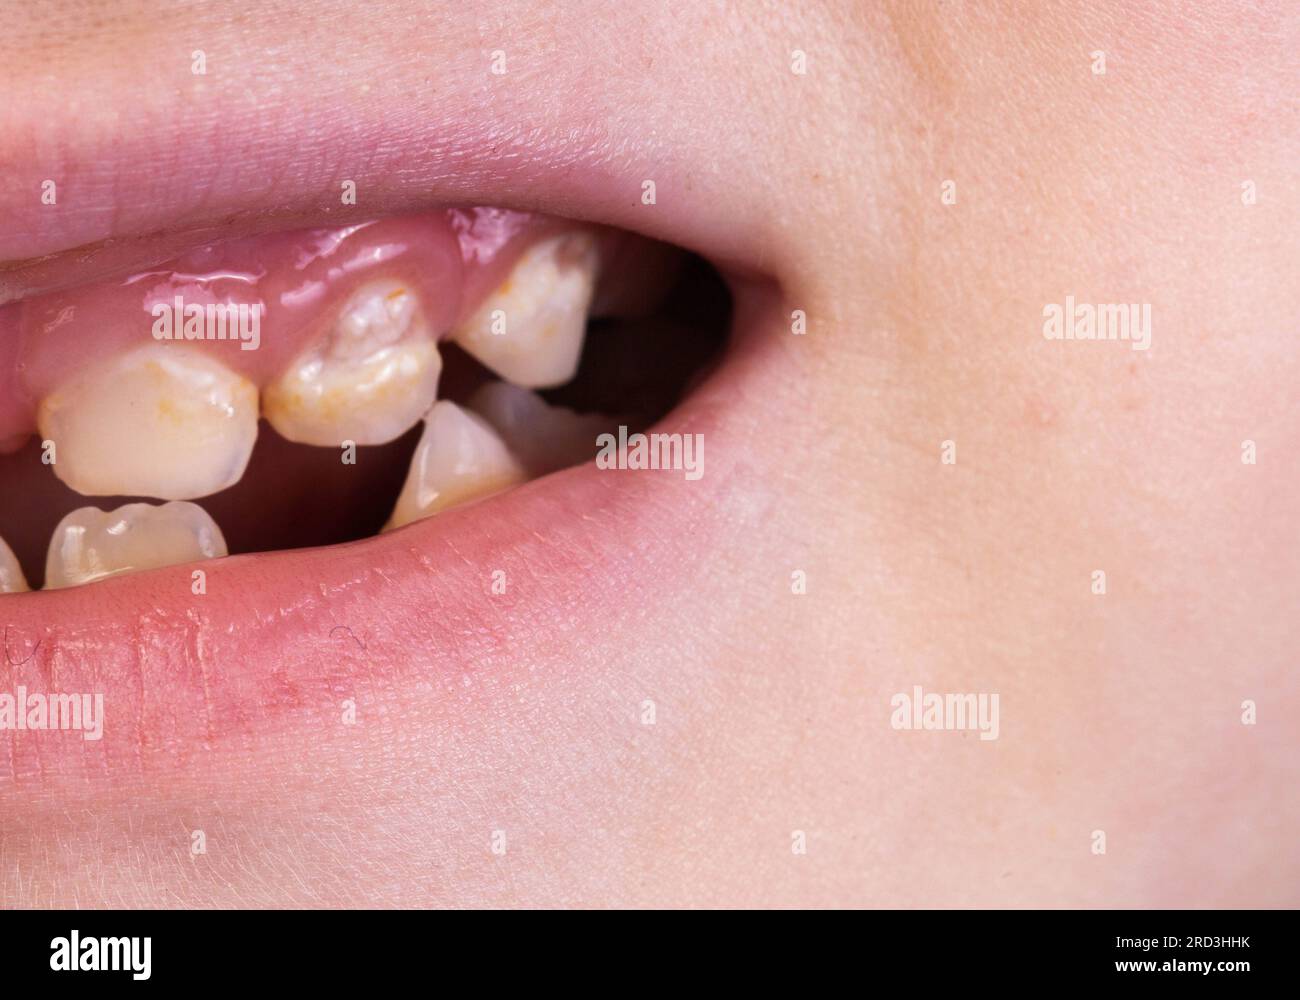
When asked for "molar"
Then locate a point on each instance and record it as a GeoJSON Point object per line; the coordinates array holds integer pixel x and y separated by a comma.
{"type": "Point", "coordinates": [12, 580]}
{"type": "Point", "coordinates": [459, 458]}
{"type": "Point", "coordinates": [90, 544]}
{"type": "Point", "coordinates": [368, 379]}
{"type": "Point", "coordinates": [530, 330]}
{"type": "Point", "coordinates": [164, 420]}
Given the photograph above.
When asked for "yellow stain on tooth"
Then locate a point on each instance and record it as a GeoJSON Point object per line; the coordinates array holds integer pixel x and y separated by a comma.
{"type": "Point", "coordinates": [369, 377]}
{"type": "Point", "coordinates": [164, 421]}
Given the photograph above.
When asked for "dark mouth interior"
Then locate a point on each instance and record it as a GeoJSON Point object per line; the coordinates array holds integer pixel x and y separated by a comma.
{"type": "Point", "coordinates": [296, 496]}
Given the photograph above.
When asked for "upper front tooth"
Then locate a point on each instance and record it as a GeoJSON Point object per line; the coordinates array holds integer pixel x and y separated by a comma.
{"type": "Point", "coordinates": [544, 438]}
{"type": "Point", "coordinates": [530, 330]}
{"type": "Point", "coordinates": [12, 580]}
{"type": "Point", "coordinates": [90, 544]}
{"type": "Point", "coordinates": [161, 421]}
{"type": "Point", "coordinates": [368, 379]}
{"type": "Point", "coordinates": [459, 458]}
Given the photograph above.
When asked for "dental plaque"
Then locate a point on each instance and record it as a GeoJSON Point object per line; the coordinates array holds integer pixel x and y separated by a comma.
{"type": "Point", "coordinates": [320, 386]}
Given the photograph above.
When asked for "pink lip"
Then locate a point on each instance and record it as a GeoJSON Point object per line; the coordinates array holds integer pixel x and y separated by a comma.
{"type": "Point", "coordinates": [282, 641]}
{"type": "Point", "coordinates": [127, 194]}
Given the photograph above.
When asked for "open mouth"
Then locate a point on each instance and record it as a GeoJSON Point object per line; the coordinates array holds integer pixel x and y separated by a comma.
{"type": "Point", "coordinates": [415, 425]}
{"type": "Point", "coordinates": [322, 386]}
{"type": "Point", "coordinates": [425, 477]}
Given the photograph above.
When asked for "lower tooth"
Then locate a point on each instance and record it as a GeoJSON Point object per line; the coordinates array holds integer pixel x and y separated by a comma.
{"type": "Point", "coordinates": [90, 544]}
{"type": "Point", "coordinates": [161, 421]}
{"type": "Point", "coordinates": [530, 330]}
{"type": "Point", "coordinates": [459, 458]}
{"type": "Point", "coordinates": [12, 580]}
{"type": "Point", "coordinates": [369, 379]}
{"type": "Point", "coordinates": [544, 438]}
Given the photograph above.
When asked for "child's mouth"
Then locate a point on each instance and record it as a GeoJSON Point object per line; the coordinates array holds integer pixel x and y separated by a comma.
{"type": "Point", "coordinates": [189, 446]}
{"type": "Point", "coordinates": [400, 367]}
{"type": "Point", "coordinates": [527, 549]}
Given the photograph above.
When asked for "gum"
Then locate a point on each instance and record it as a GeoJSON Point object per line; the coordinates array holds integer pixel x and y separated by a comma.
{"type": "Point", "coordinates": [451, 258]}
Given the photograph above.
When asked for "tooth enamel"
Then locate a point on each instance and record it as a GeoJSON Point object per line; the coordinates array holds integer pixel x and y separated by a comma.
{"type": "Point", "coordinates": [542, 437]}
{"type": "Point", "coordinates": [90, 544]}
{"type": "Point", "coordinates": [459, 458]}
{"type": "Point", "coordinates": [543, 306]}
{"type": "Point", "coordinates": [162, 421]}
{"type": "Point", "coordinates": [12, 580]}
{"type": "Point", "coordinates": [368, 379]}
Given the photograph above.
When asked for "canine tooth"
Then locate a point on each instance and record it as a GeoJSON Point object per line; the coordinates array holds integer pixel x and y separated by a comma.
{"type": "Point", "coordinates": [544, 438]}
{"type": "Point", "coordinates": [368, 379]}
{"type": "Point", "coordinates": [459, 458]}
{"type": "Point", "coordinates": [535, 339]}
{"type": "Point", "coordinates": [12, 580]}
{"type": "Point", "coordinates": [161, 421]}
{"type": "Point", "coordinates": [91, 544]}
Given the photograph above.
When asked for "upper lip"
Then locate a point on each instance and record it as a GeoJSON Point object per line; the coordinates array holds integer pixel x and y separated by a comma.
{"type": "Point", "coordinates": [168, 170]}
{"type": "Point", "coordinates": [290, 637]}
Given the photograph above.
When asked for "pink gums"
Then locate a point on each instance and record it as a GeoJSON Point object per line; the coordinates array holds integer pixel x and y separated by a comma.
{"type": "Point", "coordinates": [451, 258]}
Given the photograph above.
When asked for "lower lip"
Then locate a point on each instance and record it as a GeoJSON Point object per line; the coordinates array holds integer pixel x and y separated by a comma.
{"type": "Point", "coordinates": [286, 640]}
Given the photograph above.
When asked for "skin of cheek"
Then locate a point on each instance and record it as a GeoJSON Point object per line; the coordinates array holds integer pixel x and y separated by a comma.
{"type": "Point", "coordinates": [1118, 712]}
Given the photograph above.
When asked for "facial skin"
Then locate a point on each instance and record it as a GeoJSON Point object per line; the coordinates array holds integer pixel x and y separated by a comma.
{"type": "Point", "coordinates": [1119, 712]}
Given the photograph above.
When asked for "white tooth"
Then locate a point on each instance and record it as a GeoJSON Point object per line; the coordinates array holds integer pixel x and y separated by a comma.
{"type": "Point", "coordinates": [90, 544]}
{"type": "Point", "coordinates": [12, 580]}
{"type": "Point", "coordinates": [544, 438]}
{"type": "Point", "coordinates": [459, 458]}
{"type": "Point", "coordinates": [369, 378]}
{"type": "Point", "coordinates": [530, 330]}
{"type": "Point", "coordinates": [161, 421]}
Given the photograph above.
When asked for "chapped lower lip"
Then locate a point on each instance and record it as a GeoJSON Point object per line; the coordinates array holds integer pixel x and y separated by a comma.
{"type": "Point", "coordinates": [285, 641]}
